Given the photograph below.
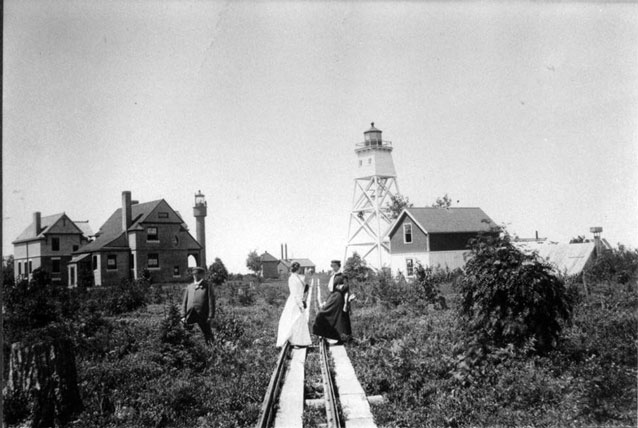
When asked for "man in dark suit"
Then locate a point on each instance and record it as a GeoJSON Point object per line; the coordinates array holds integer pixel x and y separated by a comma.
{"type": "Point", "coordinates": [199, 303]}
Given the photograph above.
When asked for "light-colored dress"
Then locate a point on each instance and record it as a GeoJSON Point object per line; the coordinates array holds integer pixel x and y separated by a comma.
{"type": "Point", "coordinates": [293, 325]}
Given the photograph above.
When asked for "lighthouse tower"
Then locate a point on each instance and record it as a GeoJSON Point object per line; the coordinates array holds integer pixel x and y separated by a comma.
{"type": "Point", "coordinates": [199, 212]}
{"type": "Point", "coordinates": [375, 184]}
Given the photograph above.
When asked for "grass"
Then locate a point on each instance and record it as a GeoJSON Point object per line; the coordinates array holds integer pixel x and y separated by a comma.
{"type": "Point", "coordinates": [130, 377]}
{"type": "Point", "coordinates": [411, 356]}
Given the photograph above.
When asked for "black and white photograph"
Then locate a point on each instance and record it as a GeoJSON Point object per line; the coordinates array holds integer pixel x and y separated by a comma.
{"type": "Point", "coordinates": [339, 214]}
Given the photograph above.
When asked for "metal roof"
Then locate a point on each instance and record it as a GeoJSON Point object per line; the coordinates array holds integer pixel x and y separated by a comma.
{"type": "Point", "coordinates": [302, 262]}
{"type": "Point", "coordinates": [569, 259]}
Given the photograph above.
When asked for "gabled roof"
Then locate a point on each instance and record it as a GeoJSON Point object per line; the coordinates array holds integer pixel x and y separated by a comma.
{"type": "Point", "coordinates": [446, 220]}
{"type": "Point", "coordinates": [267, 257]}
{"type": "Point", "coordinates": [46, 225]}
{"type": "Point", "coordinates": [112, 236]}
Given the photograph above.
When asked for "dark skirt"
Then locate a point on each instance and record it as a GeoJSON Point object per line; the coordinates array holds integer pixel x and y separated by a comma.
{"type": "Point", "coordinates": [332, 322]}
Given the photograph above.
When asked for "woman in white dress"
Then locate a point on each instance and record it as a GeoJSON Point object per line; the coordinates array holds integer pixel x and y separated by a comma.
{"type": "Point", "coordinates": [293, 326]}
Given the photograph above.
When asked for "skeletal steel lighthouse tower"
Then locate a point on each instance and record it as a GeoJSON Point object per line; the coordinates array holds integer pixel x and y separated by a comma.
{"type": "Point", "coordinates": [375, 184]}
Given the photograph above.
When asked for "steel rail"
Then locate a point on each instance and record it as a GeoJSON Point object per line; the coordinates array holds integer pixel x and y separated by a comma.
{"type": "Point", "coordinates": [332, 412]}
{"type": "Point", "coordinates": [272, 393]}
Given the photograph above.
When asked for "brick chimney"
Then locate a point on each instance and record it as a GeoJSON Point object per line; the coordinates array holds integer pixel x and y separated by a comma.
{"type": "Point", "coordinates": [126, 210]}
{"type": "Point", "coordinates": [37, 222]}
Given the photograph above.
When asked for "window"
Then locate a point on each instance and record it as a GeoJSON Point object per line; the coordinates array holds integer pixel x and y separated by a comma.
{"type": "Point", "coordinates": [75, 248]}
{"type": "Point", "coordinates": [94, 262]}
{"type": "Point", "coordinates": [55, 265]}
{"type": "Point", "coordinates": [409, 266]}
{"type": "Point", "coordinates": [369, 161]}
{"type": "Point", "coordinates": [151, 234]}
{"type": "Point", "coordinates": [111, 262]}
{"type": "Point", "coordinates": [19, 268]}
{"type": "Point", "coordinates": [360, 162]}
{"type": "Point", "coordinates": [55, 244]}
{"type": "Point", "coordinates": [30, 266]}
{"type": "Point", "coordinates": [153, 261]}
{"type": "Point", "coordinates": [407, 233]}
{"type": "Point", "coordinates": [72, 275]}
{"type": "Point", "coordinates": [175, 270]}
{"type": "Point", "coordinates": [162, 214]}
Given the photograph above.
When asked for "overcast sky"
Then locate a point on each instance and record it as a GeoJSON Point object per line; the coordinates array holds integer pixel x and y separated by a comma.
{"type": "Point", "coordinates": [527, 110]}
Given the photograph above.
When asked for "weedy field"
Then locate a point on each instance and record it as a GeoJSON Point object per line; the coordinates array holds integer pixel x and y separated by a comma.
{"type": "Point", "coordinates": [415, 357]}
{"type": "Point", "coordinates": [138, 367]}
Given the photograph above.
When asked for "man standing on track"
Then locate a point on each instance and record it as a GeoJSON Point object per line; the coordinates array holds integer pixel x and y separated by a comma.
{"type": "Point", "coordinates": [333, 320]}
{"type": "Point", "coordinates": [199, 303]}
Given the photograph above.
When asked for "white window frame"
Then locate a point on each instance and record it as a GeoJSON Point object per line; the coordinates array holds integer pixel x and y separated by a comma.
{"type": "Point", "coordinates": [148, 238]}
{"type": "Point", "coordinates": [108, 256]}
{"type": "Point", "coordinates": [409, 267]}
{"type": "Point", "coordinates": [148, 259]}
{"type": "Point", "coordinates": [405, 241]}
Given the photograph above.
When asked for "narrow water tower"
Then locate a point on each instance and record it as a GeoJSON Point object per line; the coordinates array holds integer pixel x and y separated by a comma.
{"type": "Point", "coordinates": [375, 184]}
{"type": "Point", "coordinates": [199, 212]}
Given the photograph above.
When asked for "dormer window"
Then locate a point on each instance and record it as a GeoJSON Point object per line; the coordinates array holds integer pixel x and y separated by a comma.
{"type": "Point", "coordinates": [151, 234]}
{"type": "Point", "coordinates": [407, 233]}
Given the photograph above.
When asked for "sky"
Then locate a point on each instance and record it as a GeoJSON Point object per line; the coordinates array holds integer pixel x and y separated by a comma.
{"type": "Point", "coordinates": [528, 110]}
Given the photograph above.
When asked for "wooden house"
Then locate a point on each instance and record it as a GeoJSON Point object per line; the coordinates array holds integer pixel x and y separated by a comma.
{"type": "Point", "coordinates": [435, 237]}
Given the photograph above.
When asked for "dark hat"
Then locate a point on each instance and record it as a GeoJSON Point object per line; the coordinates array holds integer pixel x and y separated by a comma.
{"type": "Point", "coordinates": [198, 268]}
{"type": "Point", "coordinates": [336, 261]}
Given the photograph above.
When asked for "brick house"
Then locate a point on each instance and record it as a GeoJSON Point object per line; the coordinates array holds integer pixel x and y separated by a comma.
{"type": "Point", "coordinates": [435, 237]}
{"type": "Point", "coordinates": [137, 237]}
{"type": "Point", "coordinates": [48, 243]}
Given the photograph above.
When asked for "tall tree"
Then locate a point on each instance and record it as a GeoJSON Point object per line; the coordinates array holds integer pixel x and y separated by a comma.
{"type": "Point", "coordinates": [443, 202]}
{"type": "Point", "coordinates": [397, 204]}
{"type": "Point", "coordinates": [253, 262]}
{"type": "Point", "coordinates": [217, 273]}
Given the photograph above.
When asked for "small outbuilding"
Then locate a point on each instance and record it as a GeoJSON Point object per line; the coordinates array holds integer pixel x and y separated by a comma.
{"type": "Point", "coordinates": [269, 265]}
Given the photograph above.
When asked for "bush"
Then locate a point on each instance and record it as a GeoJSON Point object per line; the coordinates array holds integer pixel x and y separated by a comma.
{"type": "Point", "coordinates": [125, 297]}
{"type": "Point", "coordinates": [616, 265]}
{"type": "Point", "coordinates": [511, 297]}
{"type": "Point", "coordinates": [37, 304]}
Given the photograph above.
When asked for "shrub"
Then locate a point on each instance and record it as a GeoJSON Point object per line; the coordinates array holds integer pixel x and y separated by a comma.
{"type": "Point", "coordinates": [428, 281]}
{"type": "Point", "coordinates": [125, 297]}
{"type": "Point", "coordinates": [217, 273]}
{"type": "Point", "coordinates": [356, 269]}
{"type": "Point", "coordinates": [618, 265]}
{"type": "Point", "coordinates": [511, 297]}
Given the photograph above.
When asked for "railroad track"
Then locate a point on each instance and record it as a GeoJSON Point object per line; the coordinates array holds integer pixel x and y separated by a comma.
{"type": "Point", "coordinates": [284, 402]}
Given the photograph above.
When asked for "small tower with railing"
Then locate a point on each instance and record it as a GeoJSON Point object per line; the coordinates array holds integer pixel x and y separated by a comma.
{"type": "Point", "coordinates": [199, 212]}
{"type": "Point", "coordinates": [375, 184]}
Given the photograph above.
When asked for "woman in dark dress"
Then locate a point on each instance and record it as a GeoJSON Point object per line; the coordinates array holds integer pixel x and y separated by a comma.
{"type": "Point", "coordinates": [333, 319]}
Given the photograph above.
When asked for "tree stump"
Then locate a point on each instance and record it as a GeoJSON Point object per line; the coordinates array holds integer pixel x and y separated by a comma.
{"type": "Point", "coordinates": [45, 371]}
